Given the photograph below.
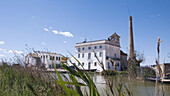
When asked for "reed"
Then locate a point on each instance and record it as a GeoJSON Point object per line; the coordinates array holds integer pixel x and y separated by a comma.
{"type": "Point", "coordinates": [25, 81]}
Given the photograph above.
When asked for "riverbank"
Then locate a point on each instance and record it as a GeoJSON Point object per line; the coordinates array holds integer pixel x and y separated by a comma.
{"type": "Point", "coordinates": [22, 81]}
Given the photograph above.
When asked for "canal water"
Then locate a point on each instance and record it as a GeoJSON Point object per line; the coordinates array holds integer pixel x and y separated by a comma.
{"type": "Point", "coordinates": [137, 87]}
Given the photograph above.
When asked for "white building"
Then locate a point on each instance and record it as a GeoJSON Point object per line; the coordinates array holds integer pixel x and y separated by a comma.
{"type": "Point", "coordinates": [107, 51]}
{"type": "Point", "coordinates": [46, 59]}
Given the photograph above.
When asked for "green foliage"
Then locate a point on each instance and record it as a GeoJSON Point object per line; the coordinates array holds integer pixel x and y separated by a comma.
{"type": "Point", "coordinates": [149, 72]}
{"type": "Point", "coordinates": [132, 68]}
{"type": "Point", "coordinates": [109, 72]}
{"type": "Point", "coordinates": [83, 76]}
{"type": "Point", "coordinates": [122, 72]}
{"type": "Point", "coordinates": [20, 81]}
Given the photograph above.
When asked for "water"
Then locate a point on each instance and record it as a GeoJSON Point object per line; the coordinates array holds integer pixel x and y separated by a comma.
{"type": "Point", "coordinates": [137, 87]}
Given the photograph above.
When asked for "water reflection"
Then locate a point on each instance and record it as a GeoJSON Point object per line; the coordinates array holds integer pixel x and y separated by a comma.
{"type": "Point", "coordinates": [137, 87]}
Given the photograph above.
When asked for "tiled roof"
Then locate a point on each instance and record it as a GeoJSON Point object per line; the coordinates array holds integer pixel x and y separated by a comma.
{"type": "Point", "coordinates": [115, 35]}
{"type": "Point", "coordinates": [122, 53]}
{"type": "Point", "coordinates": [48, 53]}
{"type": "Point", "coordinates": [33, 55]}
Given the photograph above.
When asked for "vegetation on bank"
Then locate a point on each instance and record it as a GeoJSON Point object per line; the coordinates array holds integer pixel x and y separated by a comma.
{"type": "Point", "coordinates": [21, 81]}
{"type": "Point", "coordinates": [113, 72]}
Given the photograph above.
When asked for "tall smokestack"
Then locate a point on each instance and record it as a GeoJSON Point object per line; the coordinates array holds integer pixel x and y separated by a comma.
{"type": "Point", "coordinates": [131, 45]}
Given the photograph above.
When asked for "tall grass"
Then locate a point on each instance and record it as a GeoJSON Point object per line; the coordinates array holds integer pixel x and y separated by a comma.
{"type": "Point", "coordinates": [19, 81]}
{"type": "Point", "coordinates": [22, 81]}
{"type": "Point", "coordinates": [121, 90]}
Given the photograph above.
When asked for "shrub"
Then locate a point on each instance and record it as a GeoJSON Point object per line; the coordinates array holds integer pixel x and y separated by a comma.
{"type": "Point", "coordinates": [109, 72]}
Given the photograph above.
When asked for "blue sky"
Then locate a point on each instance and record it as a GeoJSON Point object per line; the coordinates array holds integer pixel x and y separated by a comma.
{"type": "Point", "coordinates": [57, 25]}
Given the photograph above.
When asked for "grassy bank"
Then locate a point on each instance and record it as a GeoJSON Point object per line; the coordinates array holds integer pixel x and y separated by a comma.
{"type": "Point", "coordinates": [20, 81]}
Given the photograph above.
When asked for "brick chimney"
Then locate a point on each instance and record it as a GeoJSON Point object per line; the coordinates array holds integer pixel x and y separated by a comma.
{"type": "Point", "coordinates": [131, 44]}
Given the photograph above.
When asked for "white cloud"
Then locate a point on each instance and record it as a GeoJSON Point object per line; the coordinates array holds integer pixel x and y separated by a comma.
{"type": "Point", "coordinates": [1, 55]}
{"type": "Point", "coordinates": [64, 41]}
{"type": "Point", "coordinates": [3, 50]}
{"type": "Point", "coordinates": [46, 29]}
{"type": "Point", "coordinates": [55, 32]}
{"type": "Point", "coordinates": [155, 15]}
{"type": "Point", "coordinates": [2, 42]}
{"type": "Point", "coordinates": [67, 34]}
{"type": "Point", "coordinates": [15, 51]}
{"type": "Point", "coordinates": [10, 51]}
{"type": "Point", "coordinates": [32, 16]}
{"type": "Point", "coordinates": [43, 43]}
{"type": "Point", "coordinates": [51, 28]}
{"type": "Point", "coordinates": [148, 57]}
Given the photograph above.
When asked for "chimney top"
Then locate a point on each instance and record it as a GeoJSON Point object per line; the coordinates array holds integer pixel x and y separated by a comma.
{"type": "Point", "coordinates": [130, 17]}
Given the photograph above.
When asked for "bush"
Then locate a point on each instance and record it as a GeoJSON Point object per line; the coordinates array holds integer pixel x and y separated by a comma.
{"type": "Point", "coordinates": [20, 81]}
{"type": "Point", "coordinates": [109, 72]}
{"type": "Point", "coordinates": [123, 73]}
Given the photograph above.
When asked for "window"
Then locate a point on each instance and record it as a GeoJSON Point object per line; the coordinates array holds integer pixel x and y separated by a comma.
{"type": "Point", "coordinates": [100, 54]}
{"type": "Point", "coordinates": [100, 46]}
{"type": "Point", "coordinates": [49, 66]}
{"type": "Point", "coordinates": [108, 65]}
{"type": "Point", "coordinates": [115, 55]}
{"type": "Point", "coordinates": [83, 55]}
{"type": "Point", "coordinates": [83, 48]}
{"type": "Point", "coordinates": [78, 49]}
{"type": "Point", "coordinates": [89, 55]}
{"type": "Point", "coordinates": [113, 64]}
{"type": "Point", "coordinates": [82, 63]}
{"type": "Point", "coordinates": [95, 63]}
{"type": "Point", "coordinates": [95, 47]}
{"type": "Point", "coordinates": [89, 64]}
{"type": "Point", "coordinates": [95, 54]}
{"type": "Point", "coordinates": [46, 56]}
{"type": "Point", "coordinates": [89, 48]}
{"type": "Point", "coordinates": [56, 58]}
{"type": "Point", "coordinates": [78, 55]}
{"type": "Point", "coordinates": [59, 58]}
{"type": "Point", "coordinates": [53, 57]}
{"type": "Point", "coordinates": [117, 64]}
{"type": "Point", "coordinates": [41, 56]}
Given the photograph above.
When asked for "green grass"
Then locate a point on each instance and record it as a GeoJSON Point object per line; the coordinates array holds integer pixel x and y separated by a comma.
{"type": "Point", "coordinates": [21, 81]}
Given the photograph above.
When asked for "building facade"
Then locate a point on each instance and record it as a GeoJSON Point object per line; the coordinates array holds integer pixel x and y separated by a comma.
{"type": "Point", "coordinates": [94, 53]}
{"type": "Point", "coordinates": [165, 68]}
{"type": "Point", "coordinates": [45, 59]}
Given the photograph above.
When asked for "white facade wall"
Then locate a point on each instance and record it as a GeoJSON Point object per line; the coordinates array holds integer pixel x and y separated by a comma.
{"type": "Point", "coordinates": [49, 59]}
{"type": "Point", "coordinates": [30, 60]}
{"type": "Point", "coordinates": [114, 53]}
{"type": "Point", "coordinates": [107, 50]}
{"type": "Point", "coordinates": [45, 59]}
